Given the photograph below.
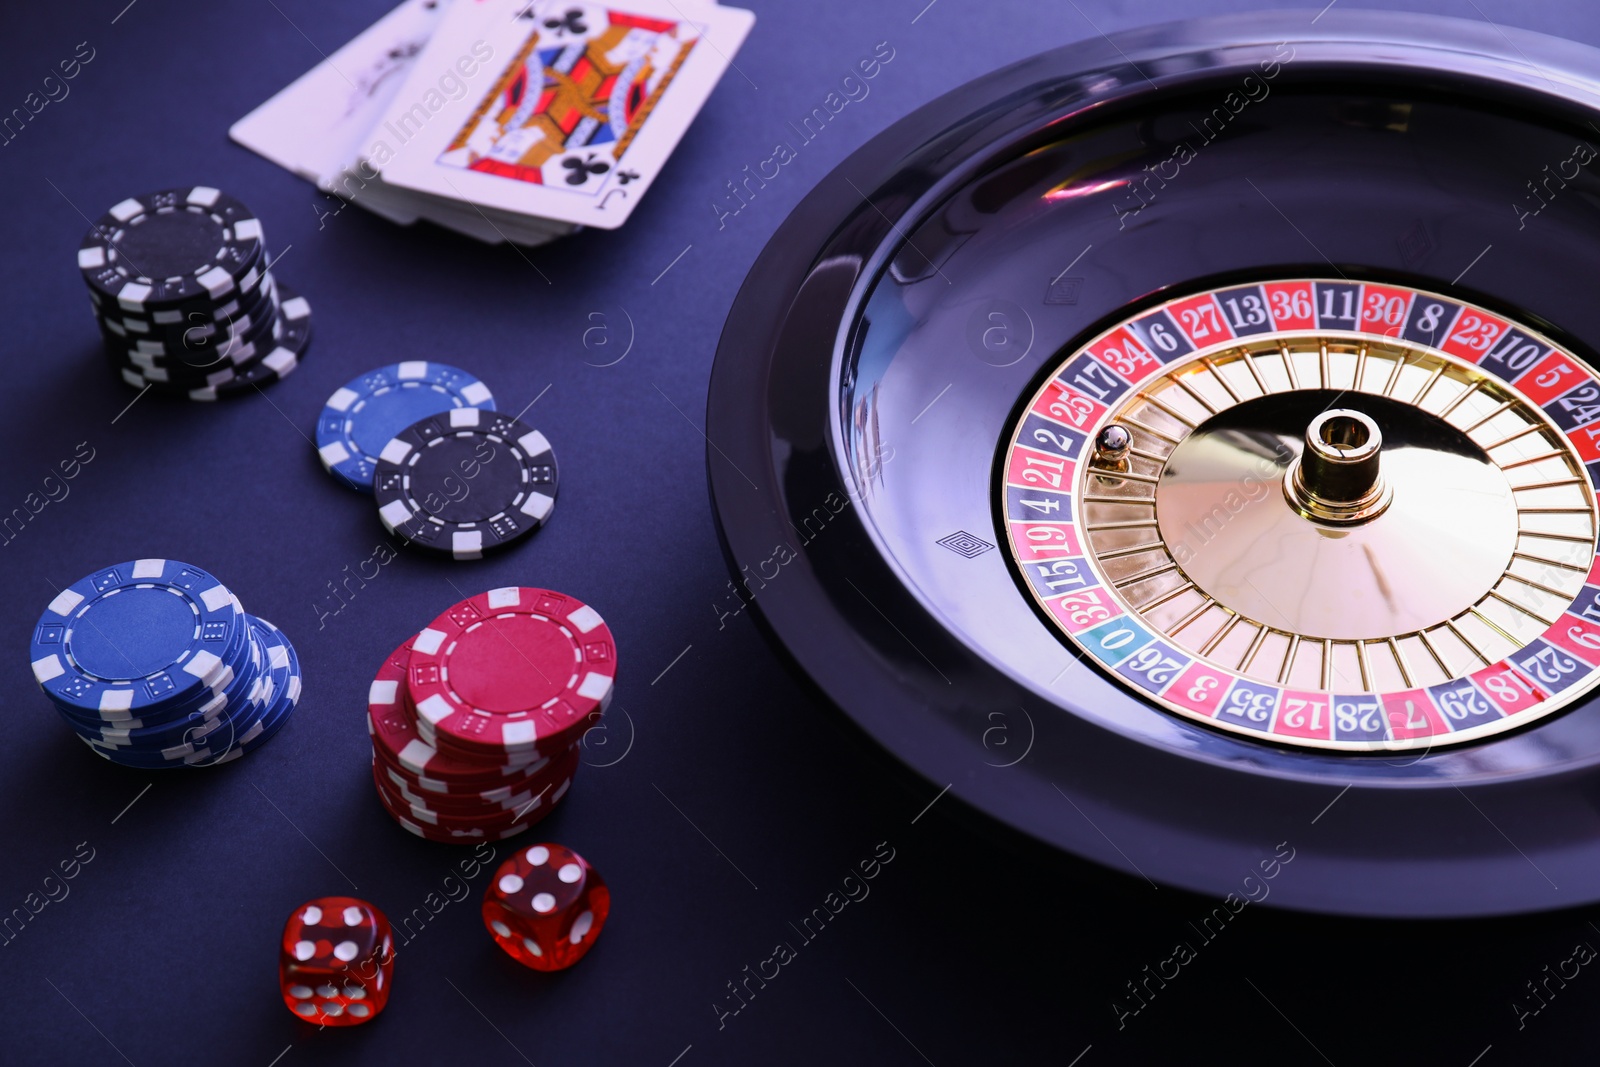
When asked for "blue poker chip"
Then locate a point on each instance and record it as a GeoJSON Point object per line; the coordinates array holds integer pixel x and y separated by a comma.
{"type": "Point", "coordinates": [274, 693]}
{"type": "Point", "coordinates": [362, 416]}
{"type": "Point", "coordinates": [236, 658]}
{"type": "Point", "coordinates": [280, 696]}
{"type": "Point", "coordinates": [177, 737]}
{"type": "Point", "coordinates": [145, 635]}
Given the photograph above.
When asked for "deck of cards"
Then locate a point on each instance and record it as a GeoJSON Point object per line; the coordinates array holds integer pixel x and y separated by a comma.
{"type": "Point", "coordinates": [502, 119]}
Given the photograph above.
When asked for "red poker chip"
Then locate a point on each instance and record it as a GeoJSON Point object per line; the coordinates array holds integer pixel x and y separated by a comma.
{"type": "Point", "coordinates": [506, 799]}
{"type": "Point", "coordinates": [445, 777]}
{"type": "Point", "coordinates": [468, 836]}
{"type": "Point", "coordinates": [487, 788]}
{"type": "Point", "coordinates": [463, 838]}
{"type": "Point", "coordinates": [486, 820]}
{"type": "Point", "coordinates": [511, 673]}
{"type": "Point", "coordinates": [505, 765]}
{"type": "Point", "coordinates": [392, 724]}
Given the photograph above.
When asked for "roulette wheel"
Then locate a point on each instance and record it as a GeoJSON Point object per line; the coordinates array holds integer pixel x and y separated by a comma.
{"type": "Point", "coordinates": [1182, 446]}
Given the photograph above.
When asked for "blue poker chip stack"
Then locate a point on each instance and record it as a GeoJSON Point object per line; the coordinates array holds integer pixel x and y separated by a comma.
{"type": "Point", "coordinates": [154, 663]}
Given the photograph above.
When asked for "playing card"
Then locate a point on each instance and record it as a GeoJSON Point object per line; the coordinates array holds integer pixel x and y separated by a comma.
{"type": "Point", "coordinates": [571, 108]}
{"type": "Point", "coordinates": [317, 126]}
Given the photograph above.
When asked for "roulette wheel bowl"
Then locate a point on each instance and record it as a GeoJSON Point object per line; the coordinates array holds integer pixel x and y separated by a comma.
{"type": "Point", "coordinates": [889, 346]}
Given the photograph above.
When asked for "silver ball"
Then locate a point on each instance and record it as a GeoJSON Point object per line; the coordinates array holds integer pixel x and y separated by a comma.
{"type": "Point", "coordinates": [1113, 440]}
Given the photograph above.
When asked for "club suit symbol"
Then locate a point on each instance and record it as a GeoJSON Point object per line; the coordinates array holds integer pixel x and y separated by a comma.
{"type": "Point", "coordinates": [569, 22]}
{"type": "Point", "coordinates": [580, 170]}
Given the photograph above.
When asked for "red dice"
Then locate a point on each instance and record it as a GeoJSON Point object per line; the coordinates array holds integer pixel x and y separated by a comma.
{"type": "Point", "coordinates": [546, 906]}
{"type": "Point", "coordinates": [336, 961]}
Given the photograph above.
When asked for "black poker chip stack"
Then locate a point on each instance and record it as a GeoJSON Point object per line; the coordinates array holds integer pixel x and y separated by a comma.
{"type": "Point", "coordinates": [180, 285]}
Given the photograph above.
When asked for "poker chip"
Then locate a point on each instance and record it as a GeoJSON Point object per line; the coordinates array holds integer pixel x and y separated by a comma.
{"type": "Point", "coordinates": [219, 357]}
{"type": "Point", "coordinates": [511, 673]}
{"type": "Point", "coordinates": [391, 720]}
{"type": "Point", "coordinates": [194, 333]}
{"type": "Point", "coordinates": [204, 700]}
{"type": "Point", "coordinates": [179, 285]}
{"type": "Point", "coordinates": [363, 415]}
{"type": "Point", "coordinates": [278, 363]}
{"type": "Point", "coordinates": [159, 250]}
{"type": "Point", "coordinates": [280, 697]}
{"type": "Point", "coordinates": [154, 663]}
{"type": "Point", "coordinates": [465, 481]}
{"type": "Point", "coordinates": [267, 360]}
{"type": "Point", "coordinates": [134, 636]}
{"type": "Point", "coordinates": [460, 793]}
{"type": "Point", "coordinates": [274, 694]}
{"type": "Point", "coordinates": [461, 837]}
{"type": "Point", "coordinates": [183, 725]}
{"type": "Point", "coordinates": [523, 797]}
{"type": "Point", "coordinates": [475, 721]}
{"type": "Point", "coordinates": [254, 288]}
{"type": "Point", "coordinates": [466, 817]}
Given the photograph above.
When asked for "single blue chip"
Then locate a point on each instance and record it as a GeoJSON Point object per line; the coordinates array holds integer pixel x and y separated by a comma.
{"type": "Point", "coordinates": [236, 657]}
{"type": "Point", "coordinates": [364, 415]}
{"type": "Point", "coordinates": [141, 636]}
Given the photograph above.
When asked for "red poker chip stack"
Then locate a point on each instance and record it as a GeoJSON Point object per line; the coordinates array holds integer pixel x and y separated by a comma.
{"type": "Point", "coordinates": [476, 720]}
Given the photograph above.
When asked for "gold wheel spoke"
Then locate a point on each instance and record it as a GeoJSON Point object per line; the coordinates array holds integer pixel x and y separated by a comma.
{"type": "Point", "coordinates": [1504, 405]}
{"type": "Point", "coordinates": [1400, 661]}
{"type": "Point", "coordinates": [1152, 431]}
{"type": "Point", "coordinates": [1422, 393]}
{"type": "Point", "coordinates": [1132, 550]}
{"type": "Point", "coordinates": [1171, 594]}
{"type": "Point", "coordinates": [1169, 412]}
{"type": "Point", "coordinates": [1089, 498]}
{"type": "Point", "coordinates": [1558, 483]}
{"type": "Point", "coordinates": [1288, 659]}
{"type": "Point", "coordinates": [1187, 619]}
{"type": "Point", "coordinates": [1221, 635]}
{"type": "Point", "coordinates": [1474, 649]}
{"type": "Point", "coordinates": [1177, 379]}
{"type": "Point", "coordinates": [1531, 558]}
{"type": "Point", "coordinates": [1211, 366]}
{"type": "Point", "coordinates": [1508, 602]}
{"type": "Point", "coordinates": [1438, 657]}
{"type": "Point", "coordinates": [1458, 401]}
{"type": "Point", "coordinates": [1135, 579]}
{"type": "Point", "coordinates": [1249, 361]}
{"type": "Point", "coordinates": [1519, 435]}
{"type": "Point", "coordinates": [1129, 476]}
{"type": "Point", "coordinates": [1250, 653]}
{"type": "Point", "coordinates": [1129, 524]}
{"type": "Point", "coordinates": [1530, 583]}
{"type": "Point", "coordinates": [1557, 454]}
{"type": "Point", "coordinates": [1288, 365]}
{"type": "Point", "coordinates": [1577, 539]}
{"type": "Point", "coordinates": [1394, 375]}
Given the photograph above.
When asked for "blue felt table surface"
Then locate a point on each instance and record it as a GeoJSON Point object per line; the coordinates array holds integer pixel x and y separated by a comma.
{"type": "Point", "coordinates": [723, 805]}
